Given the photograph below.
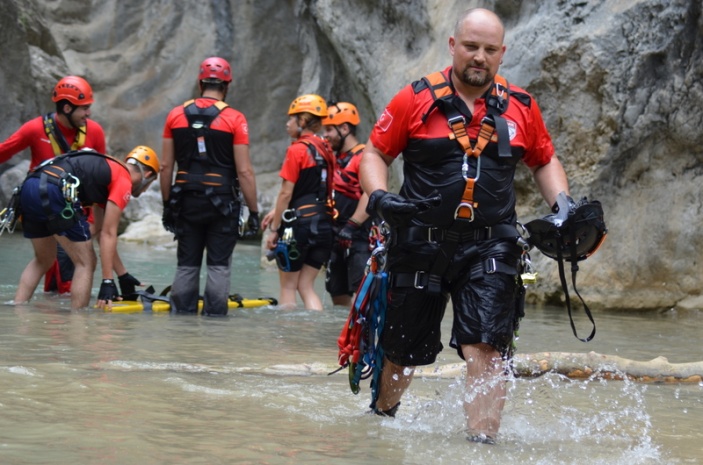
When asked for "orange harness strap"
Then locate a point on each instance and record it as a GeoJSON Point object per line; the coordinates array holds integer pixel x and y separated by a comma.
{"type": "Point", "coordinates": [439, 87]}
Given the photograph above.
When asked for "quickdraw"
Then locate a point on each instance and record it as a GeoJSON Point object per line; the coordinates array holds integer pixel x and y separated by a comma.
{"type": "Point", "coordinates": [10, 214]}
{"type": "Point", "coordinates": [358, 342]}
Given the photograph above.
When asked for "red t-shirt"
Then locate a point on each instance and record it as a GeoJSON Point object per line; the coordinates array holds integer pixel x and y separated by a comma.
{"type": "Point", "coordinates": [229, 120]}
{"type": "Point", "coordinates": [32, 134]}
{"type": "Point", "coordinates": [297, 159]}
{"type": "Point", "coordinates": [120, 187]}
{"type": "Point", "coordinates": [346, 178]}
{"type": "Point", "coordinates": [402, 121]}
{"type": "Point", "coordinates": [300, 167]}
{"type": "Point", "coordinates": [433, 158]}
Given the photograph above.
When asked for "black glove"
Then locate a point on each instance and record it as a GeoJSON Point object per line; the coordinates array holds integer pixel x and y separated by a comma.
{"type": "Point", "coordinates": [127, 285]}
{"type": "Point", "coordinates": [253, 225]}
{"type": "Point", "coordinates": [396, 210]}
{"type": "Point", "coordinates": [168, 219]}
{"type": "Point", "coordinates": [108, 290]}
{"type": "Point", "coordinates": [346, 235]}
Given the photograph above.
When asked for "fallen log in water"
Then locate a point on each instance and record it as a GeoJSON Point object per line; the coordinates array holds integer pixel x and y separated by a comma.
{"type": "Point", "coordinates": [587, 365]}
{"type": "Point", "coordinates": [572, 365]}
{"type": "Point", "coordinates": [580, 365]}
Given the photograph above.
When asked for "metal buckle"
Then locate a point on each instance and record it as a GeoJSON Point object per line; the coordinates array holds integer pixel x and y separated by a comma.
{"type": "Point", "coordinates": [491, 266]}
{"type": "Point", "coordinates": [456, 119]}
{"type": "Point", "coordinates": [465, 205]}
{"type": "Point", "coordinates": [432, 235]}
{"type": "Point", "coordinates": [416, 284]}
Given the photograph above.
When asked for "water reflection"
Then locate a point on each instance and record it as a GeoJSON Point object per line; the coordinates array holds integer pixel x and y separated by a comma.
{"type": "Point", "coordinates": [89, 387]}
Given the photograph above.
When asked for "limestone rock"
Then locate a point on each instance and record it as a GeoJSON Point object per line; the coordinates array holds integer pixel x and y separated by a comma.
{"type": "Point", "coordinates": [620, 84]}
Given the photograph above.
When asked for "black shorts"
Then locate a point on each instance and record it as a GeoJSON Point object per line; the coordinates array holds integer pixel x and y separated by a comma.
{"type": "Point", "coordinates": [345, 269]}
{"type": "Point", "coordinates": [313, 242]}
{"type": "Point", "coordinates": [484, 306]}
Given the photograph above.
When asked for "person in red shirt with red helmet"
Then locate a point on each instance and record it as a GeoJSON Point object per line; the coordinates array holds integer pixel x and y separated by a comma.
{"type": "Point", "coordinates": [208, 141]}
{"type": "Point", "coordinates": [68, 128]}
{"type": "Point", "coordinates": [300, 225]}
{"type": "Point", "coordinates": [51, 201]}
{"type": "Point", "coordinates": [462, 133]}
{"type": "Point", "coordinates": [347, 263]}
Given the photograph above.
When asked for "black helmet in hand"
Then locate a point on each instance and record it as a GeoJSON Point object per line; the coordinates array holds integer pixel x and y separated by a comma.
{"type": "Point", "coordinates": [575, 231]}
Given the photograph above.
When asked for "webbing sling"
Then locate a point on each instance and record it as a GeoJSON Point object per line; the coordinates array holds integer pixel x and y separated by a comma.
{"type": "Point", "coordinates": [58, 141]}
{"type": "Point", "coordinates": [496, 104]}
{"type": "Point", "coordinates": [324, 192]}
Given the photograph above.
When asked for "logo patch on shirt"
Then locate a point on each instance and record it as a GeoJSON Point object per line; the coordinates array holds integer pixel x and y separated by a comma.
{"type": "Point", "coordinates": [127, 196]}
{"type": "Point", "coordinates": [384, 122]}
{"type": "Point", "coordinates": [512, 129]}
{"type": "Point", "coordinates": [245, 128]}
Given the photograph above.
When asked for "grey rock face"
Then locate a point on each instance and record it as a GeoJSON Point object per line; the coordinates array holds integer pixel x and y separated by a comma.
{"type": "Point", "coordinates": [619, 83]}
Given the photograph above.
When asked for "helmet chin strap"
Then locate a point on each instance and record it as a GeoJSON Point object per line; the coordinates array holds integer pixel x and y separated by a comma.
{"type": "Point", "coordinates": [144, 180]}
{"type": "Point", "coordinates": [342, 138]}
{"type": "Point", "coordinates": [69, 116]}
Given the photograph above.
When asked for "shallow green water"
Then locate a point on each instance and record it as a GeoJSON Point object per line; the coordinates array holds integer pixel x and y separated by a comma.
{"type": "Point", "coordinates": [87, 387]}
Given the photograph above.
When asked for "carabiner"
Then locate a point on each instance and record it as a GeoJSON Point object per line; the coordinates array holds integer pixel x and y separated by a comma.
{"type": "Point", "coordinates": [286, 218]}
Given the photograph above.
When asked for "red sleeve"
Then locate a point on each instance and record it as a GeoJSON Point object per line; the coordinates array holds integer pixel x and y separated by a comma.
{"type": "Point", "coordinates": [237, 125]}
{"type": "Point", "coordinates": [170, 122]}
{"type": "Point", "coordinates": [30, 135]}
{"type": "Point", "coordinates": [119, 190]}
{"type": "Point", "coordinates": [391, 132]}
{"type": "Point", "coordinates": [293, 163]}
{"type": "Point", "coordinates": [539, 149]}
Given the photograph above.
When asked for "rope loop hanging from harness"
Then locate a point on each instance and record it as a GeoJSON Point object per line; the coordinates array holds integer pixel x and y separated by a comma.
{"type": "Point", "coordinates": [358, 342]}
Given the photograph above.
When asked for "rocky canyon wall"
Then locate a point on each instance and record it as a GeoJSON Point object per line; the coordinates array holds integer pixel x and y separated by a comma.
{"type": "Point", "coordinates": [620, 84]}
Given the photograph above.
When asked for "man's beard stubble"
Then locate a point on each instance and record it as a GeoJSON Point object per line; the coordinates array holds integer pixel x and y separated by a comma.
{"type": "Point", "coordinates": [475, 80]}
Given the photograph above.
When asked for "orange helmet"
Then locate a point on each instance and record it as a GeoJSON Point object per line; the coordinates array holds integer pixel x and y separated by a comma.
{"type": "Point", "coordinates": [215, 68]}
{"type": "Point", "coordinates": [309, 103]}
{"type": "Point", "coordinates": [75, 89]}
{"type": "Point", "coordinates": [144, 155]}
{"type": "Point", "coordinates": [341, 112]}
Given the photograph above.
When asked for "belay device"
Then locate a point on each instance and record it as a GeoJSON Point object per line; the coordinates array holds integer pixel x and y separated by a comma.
{"type": "Point", "coordinates": [573, 234]}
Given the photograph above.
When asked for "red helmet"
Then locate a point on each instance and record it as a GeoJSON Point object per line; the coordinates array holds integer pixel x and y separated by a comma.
{"type": "Point", "coordinates": [215, 68]}
{"type": "Point", "coordinates": [341, 112]}
{"type": "Point", "coordinates": [75, 89]}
